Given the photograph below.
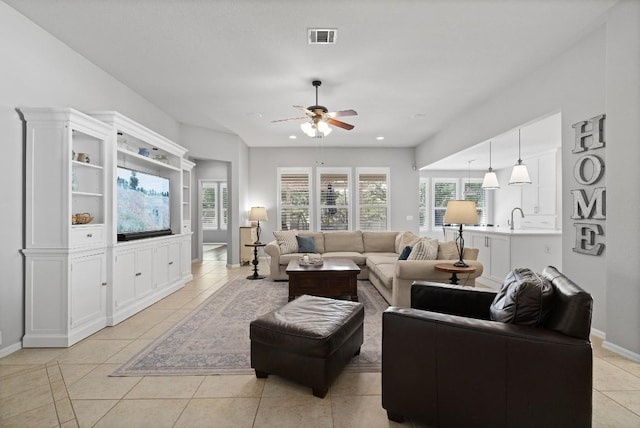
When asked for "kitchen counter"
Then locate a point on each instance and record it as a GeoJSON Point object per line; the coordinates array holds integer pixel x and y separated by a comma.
{"type": "Point", "coordinates": [506, 231]}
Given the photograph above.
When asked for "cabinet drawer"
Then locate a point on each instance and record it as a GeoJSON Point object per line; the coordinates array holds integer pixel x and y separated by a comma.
{"type": "Point", "coordinates": [87, 235]}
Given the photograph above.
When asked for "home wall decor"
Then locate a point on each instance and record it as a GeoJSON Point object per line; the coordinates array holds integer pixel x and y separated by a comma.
{"type": "Point", "coordinates": [588, 171]}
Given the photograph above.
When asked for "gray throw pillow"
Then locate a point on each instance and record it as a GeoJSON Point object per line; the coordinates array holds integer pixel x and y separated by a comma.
{"type": "Point", "coordinates": [306, 244]}
{"type": "Point", "coordinates": [405, 252]}
{"type": "Point", "coordinates": [525, 298]}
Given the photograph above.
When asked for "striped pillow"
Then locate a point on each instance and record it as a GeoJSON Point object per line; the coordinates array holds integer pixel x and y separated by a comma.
{"type": "Point", "coordinates": [286, 240]}
{"type": "Point", "coordinates": [424, 249]}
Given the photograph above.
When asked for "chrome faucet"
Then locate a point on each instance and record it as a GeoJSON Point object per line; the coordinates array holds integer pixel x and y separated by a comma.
{"type": "Point", "coordinates": [521, 213]}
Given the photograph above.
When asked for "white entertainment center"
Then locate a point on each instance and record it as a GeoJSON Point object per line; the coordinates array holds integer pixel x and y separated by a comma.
{"type": "Point", "coordinates": [79, 277]}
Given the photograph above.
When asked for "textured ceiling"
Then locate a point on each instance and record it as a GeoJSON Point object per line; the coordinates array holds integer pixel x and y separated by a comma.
{"type": "Point", "coordinates": [408, 67]}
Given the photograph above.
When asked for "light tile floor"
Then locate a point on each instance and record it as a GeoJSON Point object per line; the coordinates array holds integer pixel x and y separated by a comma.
{"type": "Point", "coordinates": [70, 387]}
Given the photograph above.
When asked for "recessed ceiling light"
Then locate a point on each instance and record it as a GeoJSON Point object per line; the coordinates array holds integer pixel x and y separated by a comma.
{"type": "Point", "coordinates": [254, 115]}
{"type": "Point", "coordinates": [380, 138]}
{"type": "Point", "coordinates": [418, 115]}
{"type": "Point", "coordinates": [293, 137]}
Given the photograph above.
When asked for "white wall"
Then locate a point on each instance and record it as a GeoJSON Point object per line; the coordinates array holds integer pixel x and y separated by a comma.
{"type": "Point", "coordinates": [622, 178]}
{"type": "Point", "coordinates": [600, 74]}
{"type": "Point", "coordinates": [213, 145]}
{"type": "Point", "coordinates": [38, 70]}
{"type": "Point", "coordinates": [403, 179]}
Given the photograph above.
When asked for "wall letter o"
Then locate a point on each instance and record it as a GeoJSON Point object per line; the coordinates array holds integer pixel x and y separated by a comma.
{"type": "Point", "coordinates": [598, 169]}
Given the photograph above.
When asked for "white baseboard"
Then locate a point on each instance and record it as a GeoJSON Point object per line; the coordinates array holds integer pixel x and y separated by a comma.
{"type": "Point", "coordinates": [10, 349]}
{"type": "Point", "coordinates": [598, 333]}
{"type": "Point", "coordinates": [621, 351]}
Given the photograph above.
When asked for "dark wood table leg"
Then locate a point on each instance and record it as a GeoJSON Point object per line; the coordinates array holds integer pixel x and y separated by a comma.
{"type": "Point", "coordinates": [454, 278]}
{"type": "Point", "coordinates": [255, 265]}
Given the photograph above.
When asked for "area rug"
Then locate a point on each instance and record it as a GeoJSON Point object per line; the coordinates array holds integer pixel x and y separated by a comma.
{"type": "Point", "coordinates": [214, 338]}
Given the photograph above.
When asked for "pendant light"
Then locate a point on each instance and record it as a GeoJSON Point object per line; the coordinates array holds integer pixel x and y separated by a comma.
{"type": "Point", "coordinates": [519, 174]}
{"type": "Point", "coordinates": [468, 191]}
{"type": "Point", "coordinates": [490, 181]}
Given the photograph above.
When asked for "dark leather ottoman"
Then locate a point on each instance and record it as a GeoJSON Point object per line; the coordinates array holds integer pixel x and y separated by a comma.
{"type": "Point", "coordinates": [308, 340]}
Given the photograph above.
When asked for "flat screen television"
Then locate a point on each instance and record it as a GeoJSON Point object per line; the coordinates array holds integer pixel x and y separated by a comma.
{"type": "Point", "coordinates": [143, 205]}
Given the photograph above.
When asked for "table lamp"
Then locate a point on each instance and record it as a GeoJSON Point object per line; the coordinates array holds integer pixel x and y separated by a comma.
{"type": "Point", "coordinates": [258, 214]}
{"type": "Point", "coordinates": [461, 212]}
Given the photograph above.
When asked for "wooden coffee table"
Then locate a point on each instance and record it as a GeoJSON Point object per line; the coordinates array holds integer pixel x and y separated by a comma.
{"type": "Point", "coordinates": [334, 278]}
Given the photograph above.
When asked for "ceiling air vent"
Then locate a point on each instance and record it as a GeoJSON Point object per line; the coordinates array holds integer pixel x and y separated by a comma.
{"type": "Point", "coordinates": [322, 36]}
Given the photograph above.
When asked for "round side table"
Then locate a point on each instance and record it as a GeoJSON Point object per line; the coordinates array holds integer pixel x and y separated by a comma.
{"type": "Point", "coordinates": [454, 270]}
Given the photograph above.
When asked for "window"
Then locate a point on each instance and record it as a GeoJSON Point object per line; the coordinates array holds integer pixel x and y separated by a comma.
{"type": "Point", "coordinates": [208, 192]}
{"type": "Point", "coordinates": [214, 204]}
{"type": "Point", "coordinates": [224, 207]}
{"type": "Point", "coordinates": [334, 202]}
{"type": "Point", "coordinates": [372, 209]}
{"type": "Point", "coordinates": [473, 191]}
{"type": "Point", "coordinates": [423, 204]}
{"type": "Point", "coordinates": [294, 188]}
{"type": "Point", "coordinates": [443, 190]}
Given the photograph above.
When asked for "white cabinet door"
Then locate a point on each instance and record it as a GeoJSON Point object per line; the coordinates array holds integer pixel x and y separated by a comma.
{"type": "Point", "coordinates": [87, 289]}
{"type": "Point", "coordinates": [167, 265]}
{"type": "Point", "coordinates": [173, 262]}
{"type": "Point", "coordinates": [185, 257]}
{"type": "Point", "coordinates": [143, 276]}
{"type": "Point", "coordinates": [500, 257]}
{"type": "Point", "coordinates": [124, 278]}
{"type": "Point", "coordinates": [480, 241]}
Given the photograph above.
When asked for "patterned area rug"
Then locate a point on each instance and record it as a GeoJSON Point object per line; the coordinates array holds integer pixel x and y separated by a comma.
{"type": "Point", "coordinates": [214, 338]}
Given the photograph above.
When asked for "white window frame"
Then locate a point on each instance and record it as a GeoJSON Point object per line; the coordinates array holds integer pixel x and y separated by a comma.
{"type": "Point", "coordinates": [224, 223]}
{"type": "Point", "coordinates": [426, 209]}
{"type": "Point", "coordinates": [434, 182]}
{"type": "Point", "coordinates": [318, 194]}
{"type": "Point", "coordinates": [372, 170]}
{"type": "Point", "coordinates": [218, 185]}
{"type": "Point", "coordinates": [301, 171]}
{"type": "Point", "coordinates": [484, 209]}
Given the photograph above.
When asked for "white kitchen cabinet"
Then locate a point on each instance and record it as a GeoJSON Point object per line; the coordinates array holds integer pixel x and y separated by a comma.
{"type": "Point", "coordinates": [539, 197]}
{"type": "Point", "coordinates": [494, 252]}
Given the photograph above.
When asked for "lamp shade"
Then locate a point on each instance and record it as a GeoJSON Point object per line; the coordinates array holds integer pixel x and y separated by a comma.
{"type": "Point", "coordinates": [490, 181]}
{"type": "Point", "coordinates": [461, 212]}
{"type": "Point", "coordinates": [258, 214]}
{"type": "Point", "coordinates": [519, 174]}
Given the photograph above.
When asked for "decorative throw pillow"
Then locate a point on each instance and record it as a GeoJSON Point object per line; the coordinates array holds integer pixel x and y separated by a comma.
{"type": "Point", "coordinates": [286, 240]}
{"type": "Point", "coordinates": [448, 251]}
{"type": "Point", "coordinates": [407, 238]}
{"type": "Point", "coordinates": [525, 298]}
{"type": "Point", "coordinates": [405, 253]}
{"type": "Point", "coordinates": [425, 249]}
{"type": "Point", "coordinates": [306, 244]}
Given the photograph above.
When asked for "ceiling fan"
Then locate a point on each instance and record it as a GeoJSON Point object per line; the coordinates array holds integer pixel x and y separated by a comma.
{"type": "Point", "coordinates": [320, 118]}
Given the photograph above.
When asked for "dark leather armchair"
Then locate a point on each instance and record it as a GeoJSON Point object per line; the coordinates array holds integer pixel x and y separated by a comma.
{"type": "Point", "coordinates": [445, 363]}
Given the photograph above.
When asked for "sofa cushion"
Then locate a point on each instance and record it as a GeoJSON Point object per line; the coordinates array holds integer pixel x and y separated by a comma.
{"type": "Point", "coordinates": [381, 258]}
{"type": "Point", "coordinates": [318, 238]}
{"type": "Point", "coordinates": [379, 242]}
{"type": "Point", "coordinates": [405, 252]}
{"type": "Point", "coordinates": [384, 272]}
{"type": "Point", "coordinates": [525, 298]}
{"type": "Point", "coordinates": [447, 250]}
{"type": "Point", "coordinates": [306, 244]}
{"type": "Point", "coordinates": [343, 241]}
{"type": "Point", "coordinates": [405, 238]}
{"type": "Point", "coordinates": [358, 258]}
{"type": "Point", "coordinates": [425, 249]}
{"type": "Point", "coordinates": [286, 241]}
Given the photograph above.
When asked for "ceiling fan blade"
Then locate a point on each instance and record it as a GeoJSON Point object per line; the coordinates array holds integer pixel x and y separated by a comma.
{"type": "Point", "coordinates": [291, 118]}
{"type": "Point", "coordinates": [342, 113]}
{"type": "Point", "coordinates": [305, 110]}
{"type": "Point", "coordinates": [339, 124]}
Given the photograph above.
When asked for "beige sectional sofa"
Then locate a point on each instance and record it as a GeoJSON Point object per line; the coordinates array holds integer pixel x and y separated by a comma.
{"type": "Point", "coordinates": [376, 253]}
